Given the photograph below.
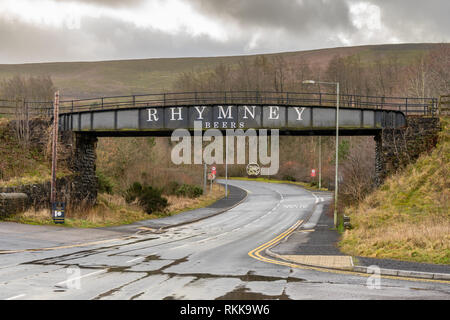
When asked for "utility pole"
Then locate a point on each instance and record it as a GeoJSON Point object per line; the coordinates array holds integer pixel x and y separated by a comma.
{"type": "Point", "coordinates": [320, 162]}
{"type": "Point", "coordinates": [337, 157]}
{"type": "Point", "coordinates": [204, 178]}
{"type": "Point", "coordinates": [336, 182]}
{"type": "Point", "coordinates": [54, 147]}
{"type": "Point", "coordinates": [226, 166]}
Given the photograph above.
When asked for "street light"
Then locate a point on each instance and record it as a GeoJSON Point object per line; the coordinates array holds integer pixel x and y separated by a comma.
{"type": "Point", "coordinates": [337, 143]}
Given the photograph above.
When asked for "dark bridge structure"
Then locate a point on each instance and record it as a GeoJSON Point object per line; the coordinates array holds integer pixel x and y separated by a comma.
{"type": "Point", "coordinates": [290, 112]}
{"type": "Point", "coordinates": [402, 127]}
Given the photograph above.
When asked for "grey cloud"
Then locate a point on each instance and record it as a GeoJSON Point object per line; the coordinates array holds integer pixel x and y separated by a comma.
{"type": "Point", "coordinates": [282, 26]}
{"type": "Point", "coordinates": [416, 20]}
{"type": "Point", "coordinates": [102, 39]}
{"type": "Point", "coordinates": [291, 15]}
{"type": "Point", "coordinates": [408, 20]}
{"type": "Point", "coordinates": [108, 3]}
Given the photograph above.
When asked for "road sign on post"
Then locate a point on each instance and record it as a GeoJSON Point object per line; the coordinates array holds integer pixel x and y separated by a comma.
{"type": "Point", "coordinates": [313, 172]}
{"type": "Point", "coordinates": [211, 178]}
{"type": "Point", "coordinates": [58, 212]}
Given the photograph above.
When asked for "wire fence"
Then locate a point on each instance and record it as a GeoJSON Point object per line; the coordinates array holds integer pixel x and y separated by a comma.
{"type": "Point", "coordinates": [407, 105]}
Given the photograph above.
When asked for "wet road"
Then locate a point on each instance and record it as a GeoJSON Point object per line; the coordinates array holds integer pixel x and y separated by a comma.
{"type": "Point", "coordinates": [204, 260]}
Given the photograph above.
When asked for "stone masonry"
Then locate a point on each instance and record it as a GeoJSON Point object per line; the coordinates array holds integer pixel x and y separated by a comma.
{"type": "Point", "coordinates": [395, 148]}
{"type": "Point", "coordinates": [76, 152]}
{"type": "Point", "coordinates": [83, 165]}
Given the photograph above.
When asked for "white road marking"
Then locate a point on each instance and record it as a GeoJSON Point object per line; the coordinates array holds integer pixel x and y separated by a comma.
{"type": "Point", "coordinates": [16, 297]}
{"type": "Point", "coordinates": [135, 259]}
{"type": "Point", "coordinates": [81, 277]}
{"type": "Point", "coordinates": [246, 225]}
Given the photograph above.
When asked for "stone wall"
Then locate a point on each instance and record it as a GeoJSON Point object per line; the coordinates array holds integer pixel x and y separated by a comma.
{"type": "Point", "coordinates": [38, 194]}
{"type": "Point", "coordinates": [395, 148]}
{"type": "Point", "coordinates": [77, 153]}
{"type": "Point", "coordinates": [11, 203]}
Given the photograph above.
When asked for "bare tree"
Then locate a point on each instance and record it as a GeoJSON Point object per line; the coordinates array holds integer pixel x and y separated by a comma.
{"type": "Point", "coordinates": [30, 95]}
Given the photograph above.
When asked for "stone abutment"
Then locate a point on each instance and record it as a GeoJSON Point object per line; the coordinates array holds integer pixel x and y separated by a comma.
{"type": "Point", "coordinates": [395, 148]}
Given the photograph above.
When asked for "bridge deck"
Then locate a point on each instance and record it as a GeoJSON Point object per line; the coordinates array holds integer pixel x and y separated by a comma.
{"type": "Point", "coordinates": [294, 113]}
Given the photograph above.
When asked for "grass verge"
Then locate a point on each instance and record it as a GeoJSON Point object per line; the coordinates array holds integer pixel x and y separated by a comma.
{"type": "Point", "coordinates": [408, 217]}
{"type": "Point", "coordinates": [112, 210]}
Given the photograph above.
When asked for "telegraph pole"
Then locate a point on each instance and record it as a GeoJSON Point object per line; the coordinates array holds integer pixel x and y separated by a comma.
{"type": "Point", "coordinates": [336, 183]}
{"type": "Point", "coordinates": [226, 166]}
{"type": "Point", "coordinates": [54, 147]}
{"type": "Point", "coordinates": [204, 178]}
{"type": "Point", "coordinates": [320, 162]}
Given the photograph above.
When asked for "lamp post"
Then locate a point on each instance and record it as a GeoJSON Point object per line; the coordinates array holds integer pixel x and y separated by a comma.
{"type": "Point", "coordinates": [336, 183]}
{"type": "Point", "coordinates": [320, 162]}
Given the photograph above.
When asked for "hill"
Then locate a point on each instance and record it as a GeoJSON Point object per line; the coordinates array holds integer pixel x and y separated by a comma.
{"type": "Point", "coordinates": [123, 77]}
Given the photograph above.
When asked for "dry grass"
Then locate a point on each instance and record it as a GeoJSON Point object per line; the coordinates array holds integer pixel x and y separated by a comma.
{"type": "Point", "coordinates": [112, 210]}
{"type": "Point", "coordinates": [179, 204]}
{"type": "Point", "coordinates": [408, 217]}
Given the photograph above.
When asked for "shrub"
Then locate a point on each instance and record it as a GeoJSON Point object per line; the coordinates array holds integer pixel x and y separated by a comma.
{"type": "Point", "coordinates": [187, 190]}
{"type": "Point", "coordinates": [149, 198]}
{"type": "Point", "coordinates": [289, 178]}
{"type": "Point", "coordinates": [105, 184]}
{"type": "Point", "coordinates": [133, 192]}
{"type": "Point", "coordinates": [171, 187]}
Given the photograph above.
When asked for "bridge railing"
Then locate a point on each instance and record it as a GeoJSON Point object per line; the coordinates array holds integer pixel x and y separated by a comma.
{"type": "Point", "coordinates": [20, 108]}
{"type": "Point", "coordinates": [410, 106]}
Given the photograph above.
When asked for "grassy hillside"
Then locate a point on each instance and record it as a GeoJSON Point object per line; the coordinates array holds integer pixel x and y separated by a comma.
{"type": "Point", "coordinates": [91, 79]}
{"type": "Point", "coordinates": [408, 218]}
{"type": "Point", "coordinates": [17, 162]}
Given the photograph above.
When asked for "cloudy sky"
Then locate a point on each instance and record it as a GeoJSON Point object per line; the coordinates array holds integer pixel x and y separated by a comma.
{"type": "Point", "coordinates": [86, 30]}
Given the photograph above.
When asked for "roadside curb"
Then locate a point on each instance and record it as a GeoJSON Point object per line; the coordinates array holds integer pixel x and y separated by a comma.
{"type": "Point", "coordinates": [404, 273]}
{"type": "Point", "coordinates": [369, 270]}
{"type": "Point", "coordinates": [205, 217]}
{"type": "Point", "coordinates": [209, 216]}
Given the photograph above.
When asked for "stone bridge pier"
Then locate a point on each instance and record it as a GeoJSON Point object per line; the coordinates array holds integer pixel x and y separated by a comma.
{"type": "Point", "coordinates": [395, 148]}
{"type": "Point", "coordinates": [85, 182]}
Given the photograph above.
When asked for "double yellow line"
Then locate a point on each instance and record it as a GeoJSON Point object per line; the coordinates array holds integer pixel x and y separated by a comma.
{"type": "Point", "coordinates": [256, 253]}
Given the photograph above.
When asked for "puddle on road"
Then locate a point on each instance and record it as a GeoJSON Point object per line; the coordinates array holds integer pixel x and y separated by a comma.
{"type": "Point", "coordinates": [243, 293]}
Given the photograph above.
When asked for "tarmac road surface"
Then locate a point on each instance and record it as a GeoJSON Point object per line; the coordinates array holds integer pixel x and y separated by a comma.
{"type": "Point", "coordinates": [208, 259]}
